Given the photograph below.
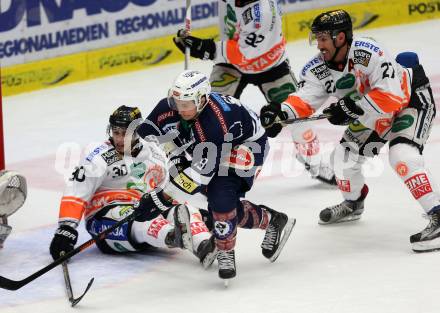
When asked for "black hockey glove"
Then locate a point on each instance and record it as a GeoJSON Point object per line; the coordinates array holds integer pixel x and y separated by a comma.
{"type": "Point", "coordinates": [270, 116]}
{"type": "Point", "coordinates": [179, 162]}
{"type": "Point", "coordinates": [151, 205]}
{"type": "Point", "coordinates": [343, 112]}
{"type": "Point", "coordinates": [64, 239]}
{"type": "Point", "coordinates": [199, 48]}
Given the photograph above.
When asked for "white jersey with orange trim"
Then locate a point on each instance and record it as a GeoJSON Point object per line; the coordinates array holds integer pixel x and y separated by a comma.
{"type": "Point", "coordinates": [251, 35]}
{"type": "Point", "coordinates": [383, 85]}
{"type": "Point", "coordinates": [105, 177]}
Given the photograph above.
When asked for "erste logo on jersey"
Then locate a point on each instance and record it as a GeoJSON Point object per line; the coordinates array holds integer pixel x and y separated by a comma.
{"type": "Point", "coordinates": [368, 45]}
{"type": "Point", "coordinates": [310, 64]}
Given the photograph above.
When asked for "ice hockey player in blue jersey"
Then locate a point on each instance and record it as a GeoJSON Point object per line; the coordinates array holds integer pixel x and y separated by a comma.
{"type": "Point", "coordinates": [217, 147]}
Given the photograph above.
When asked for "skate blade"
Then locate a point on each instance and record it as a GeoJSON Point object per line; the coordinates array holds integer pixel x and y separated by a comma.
{"type": "Point", "coordinates": [426, 246]}
{"type": "Point", "coordinates": [184, 218]}
{"type": "Point", "coordinates": [209, 259]}
{"type": "Point", "coordinates": [286, 234]}
{"type": "Point", "coordinates": [349, 218]}
{"type": "Point", "coordinates": [226, 283]}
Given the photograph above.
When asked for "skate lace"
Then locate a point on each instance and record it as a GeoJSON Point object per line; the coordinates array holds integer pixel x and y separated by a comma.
{"type": "Point", "coordinates": [270, 237]}
{"type": "Point", "coordinates": [225, 260]}
{"type": "Point", "coordinates": [341, 210]}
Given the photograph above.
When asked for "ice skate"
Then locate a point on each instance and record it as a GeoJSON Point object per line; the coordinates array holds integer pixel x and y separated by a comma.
{"type": "Point", "coordinates": [207, 252]}
{"type": "Point", "coordinates": [429, 238]}
{"type": "Point", "coordinates": [346, 211]}
{"type": "Point", "coordinates": [226, 265]}
{"type": "Point", "coordinates": [180, 237]}
{"type": "Point", "coordinates": [277, 233]}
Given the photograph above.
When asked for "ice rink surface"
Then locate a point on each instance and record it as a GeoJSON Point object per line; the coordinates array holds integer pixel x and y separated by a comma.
{"type": "Point", "coordinates": [366, 266]}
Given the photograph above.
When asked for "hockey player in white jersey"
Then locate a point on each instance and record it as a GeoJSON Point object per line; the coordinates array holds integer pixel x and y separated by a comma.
{"type": "Point", "coordinates": [380, 101]}
{"type": "Point", "coordinates": [13, 192]}
{"type": "Point", "coordinates": [117, 177]}
{"type": "Point", "coordinates": [252, 50]}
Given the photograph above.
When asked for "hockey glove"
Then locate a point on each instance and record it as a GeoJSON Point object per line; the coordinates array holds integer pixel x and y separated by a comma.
{"type": "Point", "coordinates": [270, 116]}
{"type": "Point", "coordinates": [151, 205]}
{"type": "Point", "coordinates": [343, 112]}
{"type": "Point", "coordinates": [64, 239]}
{"type": "Point", "coordinates": [199, 48]}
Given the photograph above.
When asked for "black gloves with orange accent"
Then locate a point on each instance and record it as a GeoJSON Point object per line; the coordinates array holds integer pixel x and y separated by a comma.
{"type": "Point", "coordinates": [199, 48]}
{"type": "Point", "coordinates": [343, 112]}
{"type": "Point", "coordinates": [270, 116]}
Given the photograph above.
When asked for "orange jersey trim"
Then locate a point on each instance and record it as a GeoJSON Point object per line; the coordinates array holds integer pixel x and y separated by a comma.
{"type": "Point", "coordinates": [257, 64]}
{"type": "Point", "coordinates": [389, 102]}
{"type": "Point", "coordinates": [301, 108]}
{"type": "Point", "coordinates": [72, 207]}
{"type": "Point", "coordinates": [102, 198]}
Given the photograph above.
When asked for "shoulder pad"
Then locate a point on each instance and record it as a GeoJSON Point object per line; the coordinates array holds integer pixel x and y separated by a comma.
{"type": "Point", "coordinates": [368, 44]}
{"type": "Point", "coordinates": [312, 64]}
{"type": "Point", "coordinates": [243, 3]}
{"type": "Point", "coordinates": [96, 151]}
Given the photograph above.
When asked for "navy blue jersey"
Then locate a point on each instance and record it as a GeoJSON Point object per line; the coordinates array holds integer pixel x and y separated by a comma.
{"type": "Point", "coordinates": [222, 125]}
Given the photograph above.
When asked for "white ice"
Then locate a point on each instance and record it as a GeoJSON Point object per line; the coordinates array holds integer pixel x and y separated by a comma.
{"type": "Point", "coordinates": [367, 266]}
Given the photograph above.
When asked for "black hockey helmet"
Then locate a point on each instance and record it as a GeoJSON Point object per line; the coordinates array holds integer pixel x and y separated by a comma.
{"type": "Point", "coordinates": [334, 22]}
{"type": "Point", "coordinates": [123, 116]}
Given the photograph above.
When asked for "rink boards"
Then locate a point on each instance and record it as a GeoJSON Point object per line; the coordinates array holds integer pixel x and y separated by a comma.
{"type": "Point", "coordinates": [143, 54]}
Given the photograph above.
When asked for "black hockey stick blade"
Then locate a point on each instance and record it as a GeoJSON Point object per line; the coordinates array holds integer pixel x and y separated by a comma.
{"type": "Point", "coordinates": [10, 284]}
{"type": "Point", "coordinates": [74, 301]}
{"type": "Point", "coordinates": [68, 285]}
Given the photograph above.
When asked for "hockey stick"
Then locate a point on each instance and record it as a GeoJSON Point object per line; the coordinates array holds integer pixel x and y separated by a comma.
{"type": "Point", "coordinates": [187, 30]}
{"type": "Point", "coordinates": [10, 284]}
{"type": "Point", "coordinates": [69, 291]}
{"type": "Point", "coordinates": [304, 119]}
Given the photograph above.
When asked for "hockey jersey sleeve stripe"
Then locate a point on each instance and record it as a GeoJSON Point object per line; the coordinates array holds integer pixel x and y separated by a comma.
{"type": "Point", "coordinates": [298, 106]}
{"type": "Point", "coordinates": [71, 208]}
{"type": "Point", "coordinates": [258, 64]}
{"type": "Point", "coordinates": [385, 101]}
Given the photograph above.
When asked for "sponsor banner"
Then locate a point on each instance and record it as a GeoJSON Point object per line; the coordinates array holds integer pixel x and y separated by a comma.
{"type": "Point", "coordinates": [43, 74]}
{"type": "Point", "coordinates": [367, 14]}
{"type": "Point", "coordinates": [303, 5]}
{"type": "Point", "coordinates": [32, 30]}
{"type": "Point", "coordinates": [157, 51]}
{"type": "Point", "coordinates": [98, 63]}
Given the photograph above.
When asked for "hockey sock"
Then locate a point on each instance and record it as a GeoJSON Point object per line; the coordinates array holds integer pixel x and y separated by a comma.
{"type": "Point", "coordinates": [152, 232]}
{"type": "Point", "coordinates": [409, 165]}
{"type": "Point", "coordinates": [348, 171]}
{"type": "Point", "coordinates": [225, 229]}
{"type": "Point", "coordinates": [252, 216]}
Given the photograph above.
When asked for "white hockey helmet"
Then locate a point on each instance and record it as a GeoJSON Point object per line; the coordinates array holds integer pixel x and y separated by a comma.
{"type": "Point", "coordinates": [190, 85]}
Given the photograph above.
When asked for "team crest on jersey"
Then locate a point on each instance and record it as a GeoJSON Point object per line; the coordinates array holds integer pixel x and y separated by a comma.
{"type": "Point", "coordinates": [137, 169]}
{"type": "Point", "coordinates": [321, 71]}
{"type": "Point", "coordinates": [111, 157]}
{"type": "Point", "coordinates": [361, 57]}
